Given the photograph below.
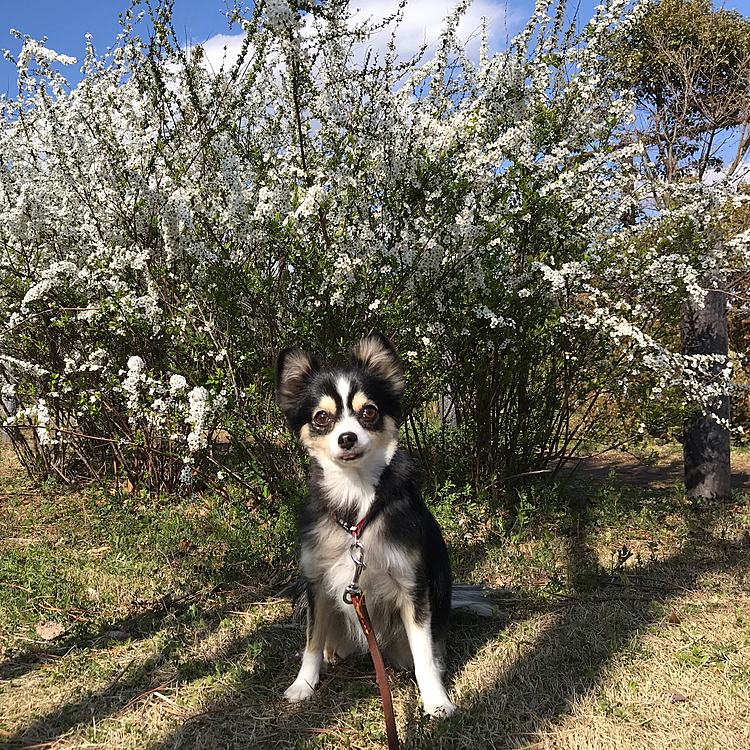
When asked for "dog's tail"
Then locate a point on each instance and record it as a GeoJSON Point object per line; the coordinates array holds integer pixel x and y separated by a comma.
{"type": "Point", "coordinates": [476, 600]}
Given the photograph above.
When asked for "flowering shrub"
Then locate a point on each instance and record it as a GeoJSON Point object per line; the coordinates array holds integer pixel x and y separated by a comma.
{"type": "Point", "coordinates": [166, 229]}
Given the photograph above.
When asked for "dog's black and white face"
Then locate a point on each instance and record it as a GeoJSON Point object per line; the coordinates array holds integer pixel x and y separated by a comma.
{"type": "Point", "coordinates": [347, 416]}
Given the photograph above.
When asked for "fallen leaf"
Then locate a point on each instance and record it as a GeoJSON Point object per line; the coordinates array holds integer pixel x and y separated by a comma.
{"type": "Point", "coordinates": [48, 630]}
{"type": "Point", "coordinates": [99, 552]}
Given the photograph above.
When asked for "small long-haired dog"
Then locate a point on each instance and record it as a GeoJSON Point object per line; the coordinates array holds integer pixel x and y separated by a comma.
{"type": "Point", "coordinates": [347, 419]}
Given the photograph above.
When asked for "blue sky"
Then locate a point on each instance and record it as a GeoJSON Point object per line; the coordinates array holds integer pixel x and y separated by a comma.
{"type": "Point", "coordinates": [66, 23]}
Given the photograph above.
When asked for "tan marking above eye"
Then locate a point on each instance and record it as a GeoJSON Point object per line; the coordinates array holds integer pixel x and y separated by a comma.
{"type": "Point", "coordinates": [326, 403]}
{"type": "Point", "coordinates": [326, 406]}
{"type": "Point", "coordinates": [359, 401]}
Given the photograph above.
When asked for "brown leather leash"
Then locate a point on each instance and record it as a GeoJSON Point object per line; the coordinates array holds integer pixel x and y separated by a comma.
{"type": "Point", "coordinates": [358, 600]}
{"type": "Point", "coordinates": [354, 595]}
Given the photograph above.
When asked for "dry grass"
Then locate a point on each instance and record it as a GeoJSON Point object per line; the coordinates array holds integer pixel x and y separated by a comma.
{"type": "Point", "coordinates": [652, 651]}
{"type": "Point", "coordinates": [609, 675]}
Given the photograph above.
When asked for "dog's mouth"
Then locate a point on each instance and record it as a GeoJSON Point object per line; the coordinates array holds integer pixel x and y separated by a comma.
{"type": "Point", "coordinates": [350, 456]}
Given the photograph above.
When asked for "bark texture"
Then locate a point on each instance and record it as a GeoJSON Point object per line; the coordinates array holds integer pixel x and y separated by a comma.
{"type": "Point", "coordinates": [706, 448]}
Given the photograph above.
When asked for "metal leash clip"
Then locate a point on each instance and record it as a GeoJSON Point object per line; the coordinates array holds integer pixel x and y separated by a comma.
{"type": "Point", "coordinates": [357, 553]}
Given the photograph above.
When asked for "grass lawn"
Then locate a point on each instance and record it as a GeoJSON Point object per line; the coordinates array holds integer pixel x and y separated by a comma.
{"type": "Point", "coordinates": [130, 623]}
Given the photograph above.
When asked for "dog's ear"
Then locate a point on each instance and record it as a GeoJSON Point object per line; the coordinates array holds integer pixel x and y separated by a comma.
{"type": "Point", "coordinates": [377, 354]}
{"type": "Point", "coordinates": [294, 368]}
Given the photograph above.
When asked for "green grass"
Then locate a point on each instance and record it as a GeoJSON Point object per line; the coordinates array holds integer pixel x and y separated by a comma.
{"type": "Point", "coordinates": [172, 635]}
{"type": "Point", "coordinates": [89, 558]}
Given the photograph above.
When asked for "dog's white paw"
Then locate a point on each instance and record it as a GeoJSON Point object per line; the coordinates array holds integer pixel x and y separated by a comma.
{"type": "Point", "coordinates": [299, 690]}
{"type": "Point", "coordinates": [442, 709]}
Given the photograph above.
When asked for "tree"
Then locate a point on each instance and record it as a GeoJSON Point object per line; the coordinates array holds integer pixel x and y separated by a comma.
{"type": "Point", "coordinates": [166, 228]}
{"type": "Point", "coordinates": [689, 69]}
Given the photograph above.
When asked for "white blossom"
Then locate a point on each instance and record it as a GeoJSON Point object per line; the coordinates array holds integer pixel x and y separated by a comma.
{"type": "Point", "coordinates": [177, 384]}
{"type": "Point", "coordinates": [316, 193]}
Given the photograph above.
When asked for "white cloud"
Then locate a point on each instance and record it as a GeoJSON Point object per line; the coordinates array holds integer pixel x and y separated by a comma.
{"type": "Point", "coordinates": [741, 174]}
{"type": "Point", "coordinates": [222, 49]}
{"type": "Point", "coordinates": [423, 20]}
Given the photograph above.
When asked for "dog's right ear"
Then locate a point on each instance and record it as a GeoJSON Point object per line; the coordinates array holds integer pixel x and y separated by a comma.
{"type": "Point", "coordinates": [294, 368]}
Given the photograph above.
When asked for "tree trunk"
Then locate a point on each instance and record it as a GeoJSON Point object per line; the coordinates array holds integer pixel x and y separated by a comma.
{"type": "Point", "coordinates": [706, 442]}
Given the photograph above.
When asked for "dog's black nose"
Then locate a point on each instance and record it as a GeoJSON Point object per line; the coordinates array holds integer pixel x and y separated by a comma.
{"type": "Point", "coordinates": [347, 440]}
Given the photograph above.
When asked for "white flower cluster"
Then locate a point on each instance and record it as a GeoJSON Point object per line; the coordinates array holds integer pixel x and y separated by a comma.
{"type": "Point", "coordinates": [197, 399]}
{"type": "Point", "coordinates": [38, 415]}
{"type": "Point", "coordinates": [279, 14]}
{"type": "Point", "coordinates": [131, 383]}
{"type": "Point", "coordinates": [166, 409]}
{"type": "Point", "coordinates": [186, 214]}
{"type": "Point", "coordinates": [177, 385]}
{"type": "Point", "coordinates": [42, 418]}
{"type": "Point", "coordinates": [35, 50]}
{"type": "Point", "coordinates": [495, 320]}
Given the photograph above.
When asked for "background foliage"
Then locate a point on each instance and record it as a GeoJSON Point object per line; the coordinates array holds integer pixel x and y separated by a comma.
{"type": "Point", "coordinates": [167, 228]}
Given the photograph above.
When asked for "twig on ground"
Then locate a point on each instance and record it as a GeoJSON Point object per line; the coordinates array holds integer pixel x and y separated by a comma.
{"type": "Point", "coordinates": [16, 586]}
{"type": "Point", "coordinates": [140, 697]}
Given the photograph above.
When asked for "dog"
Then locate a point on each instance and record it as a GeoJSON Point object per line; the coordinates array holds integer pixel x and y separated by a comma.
{"type": "Point", "coordinates": [347, 419]}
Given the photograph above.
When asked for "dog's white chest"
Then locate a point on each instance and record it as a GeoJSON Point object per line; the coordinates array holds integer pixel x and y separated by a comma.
{"type": "Point", "coordinates": [386, 578]}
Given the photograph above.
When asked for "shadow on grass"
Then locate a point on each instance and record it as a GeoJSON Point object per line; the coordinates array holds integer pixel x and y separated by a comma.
{"type": "Point", "coordinates": [148, 618]}
{"type": "Point", "coordinates": [516, 700]}
{"type": "Point", "coordinates": [525, 696]}
{"type": "Point", "coordinates": [149, 668]}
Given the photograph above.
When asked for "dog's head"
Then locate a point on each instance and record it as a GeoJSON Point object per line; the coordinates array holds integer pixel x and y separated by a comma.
{"type": "Point", "coordinates": [344, 414]}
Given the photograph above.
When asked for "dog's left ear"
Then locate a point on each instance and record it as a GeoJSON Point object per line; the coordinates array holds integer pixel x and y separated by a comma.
{"type": "Point", "coordinates": [377, 354]}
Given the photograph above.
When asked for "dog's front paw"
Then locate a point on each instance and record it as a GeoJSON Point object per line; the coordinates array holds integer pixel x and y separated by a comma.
{"type": "Point", "coordinates": [299, 690]}
{"type": "Point", "coordinates": [441, 709]}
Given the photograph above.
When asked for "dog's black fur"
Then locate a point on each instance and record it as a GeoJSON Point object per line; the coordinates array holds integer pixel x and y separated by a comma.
{"type": "Point", "coordinates": [347, 419]}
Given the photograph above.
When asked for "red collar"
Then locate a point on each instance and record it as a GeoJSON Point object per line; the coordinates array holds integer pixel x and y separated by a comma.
{"type": "Point", "coordinates": [355, 531]}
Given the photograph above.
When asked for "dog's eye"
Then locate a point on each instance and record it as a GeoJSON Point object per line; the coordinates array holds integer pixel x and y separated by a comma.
{"type": "Point", "coordinates": [369, 412]}
{"type": "Point", "coordinates": [322, 418]}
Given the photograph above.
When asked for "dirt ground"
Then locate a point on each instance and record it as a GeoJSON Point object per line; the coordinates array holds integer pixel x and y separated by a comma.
{"type": "Point", "coordinates": [659, 468]}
